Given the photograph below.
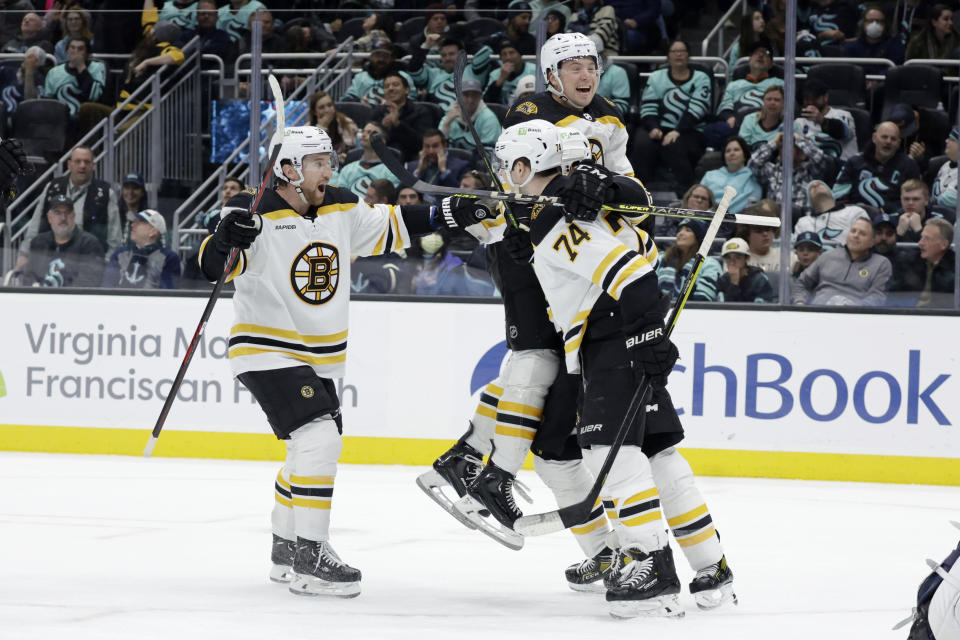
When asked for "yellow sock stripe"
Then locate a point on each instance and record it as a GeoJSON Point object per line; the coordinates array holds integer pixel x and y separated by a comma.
{"type": "Point", "coordinates": [521, 409]}
{"type": "Point", "coordinates": [280, 481]}
{"type": "Point", "coordinates": [643, 495]}
{"type": "Point", "coordinates": [689, 516]}
{"type": "Point", "coordinates": [642, 519]}
{"type": "Point", "coordinates": [517, 432]}
{"type": "Point", "coordinates": [589, 527]}
{"type": "Point", "coordinates": [311, 481]}
{"type": "Point", "coordinates": [698, 538]}
{"type": "Point", "coordinates": [487, 411]}
{"type": "Point", "coordinates": [300, 501]}
{"type": "Point", "coordinates": [611, 513]}
{"type": "Point", "coordinates": [282, 500]}
{"type": "Point", "coordinates": [494, 390]}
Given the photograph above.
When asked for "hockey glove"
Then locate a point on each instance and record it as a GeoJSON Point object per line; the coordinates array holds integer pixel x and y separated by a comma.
{"type": "Point", "coordinates": [460, 212]}
{"type": "Point", "coordinates": [12, 162]}
{"type": "Point", "coordinates": [588, 187]}
{"type": "Point", "coordinates": [236, 229]}
{"type": "Point", "coordinates": [652, 352]}
{"type": "Point", "coordinates": [517, 243]}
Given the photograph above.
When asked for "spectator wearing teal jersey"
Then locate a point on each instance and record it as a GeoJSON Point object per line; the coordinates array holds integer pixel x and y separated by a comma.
{"type": "Point", "coordinates": [235, 16]}
{"type": "Point", "coordinates": [743, 94]}
{"type": "Point", "coordinates": [182, 13]}
{"type": "Point", "coordinates": [367, 86]}
{"type": "Point", "coordinates": [673, 114]}
{"type": "Point", "coordinates": [503, 81]}
{"type": "Point", "coordinates": [763, 125]}
{"type": "Point", "coordinates": [484, 120]}
{"type": "Point", "coordinates": [78, 80]}
{"type": "Point", "coordinates": [357, 176]}
{"type": "Point", "coordinates": [437, 82]}
{"type": "Point", "coordinates": [615, 87]}
{"type": "Point", "coordinates": [735, 173]}
{"type": "Point", "coordinates": [678, 261]}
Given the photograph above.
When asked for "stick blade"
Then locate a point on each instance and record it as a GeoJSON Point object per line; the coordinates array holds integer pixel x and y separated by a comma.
{"type": "Point", "coordinates": [278, 101]}
{"type": "Point", "coordinates": [151, 443]}
{"type": "Point", "coordinates": [539, 524]}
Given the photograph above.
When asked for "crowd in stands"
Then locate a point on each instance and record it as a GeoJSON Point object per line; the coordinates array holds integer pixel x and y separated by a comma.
{"type": "Point", "coordinates": [874, 173]}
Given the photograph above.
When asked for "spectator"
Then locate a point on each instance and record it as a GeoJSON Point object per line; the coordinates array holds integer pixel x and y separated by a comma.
{"type": "Point", "coordinates": [945, 184]}
{"type": "Point", "coordinates": [11, 17]}
{"type": "Point", "coordinates": [919, 133]}
{"type": "Point", "coordinates": [735, 173]}
{"type": "Point", "coordinates": [435, 26]}
{"type": "Point", "coordinates": [434, 165]}
{"type": "Point", "coordinates": [408, 196]}
{"type": "Point", "coordinates": [677, 262]}
{"type": "Point", "coordinates": [938, 39]}
{"type": "Point", "coordinates": [598, 21]}
{"type": "Point", "coordinates": [358, 175]}
{"type": "Point", "coordinates": [517, 28]}
{"type": "Point", "coordinates": [437, 82]}
{"type": "Point", "coordinates": [440, 273]}
{"type": "Point", "coordinates": [915, 210]}
{"type": "Point", "coordinates": [183, 13]}
{"type": "Point", "coordinates": [381, 191]}
{"type": "Point", "coordinates": [808, 165]}
{"type": "Point", "coordinates": [527, 86]}
{"type": "Point", "coordinates": [475, 180]}
{"type": "Point", "coordinates": [388, 273]}
{"type": "Point", "coordinates": [367, 86]}
{"type": "Point", "coordinates": [402, 120]}
{"type": "Point", "coordinates": [741, 282]}
{"type": "Point", "coordinates": [673, 113]}
{"type": "Point", "coordinates": [213, 41]}
{"type": "Point", "coordinates": [77, 25]}
{"type": "Point", "coordinates": [234, 17]}
{"type": "Point", "coordinates": [503, 81]}
{"type": "Point", "coordinates": [155, 49]}
{"type": "Point", "coordinates": [752, 30]}
{"type": "Point", "coordinates": [78, 80]}
{"type": "Point", "coordinates": [832, 129]}
{"type": "Point", "coordinates": [829, 220]}
{"type": "Point", "coordinates": [31, 33]}
{"type": "Point", "coordinates": [614, 85]}
{"type": "Point", "coordinates": [270, 40]}
{"type": "Point", "coordinates": [377, 27]}
{"type": "Point", "coordinates": [144, 263]}
{"type": "Point", "coordinates": [885, 244]}
{"type": "Point", "coordinates": [556, 22]}
{"type": "Point", "coordinates": [932, 271]}
{"type": "Point", "coordinates": [63, 255]}
{"type": "Point", "coordinates": [697, 197]}
{"type": "Point", "coordinates": [832, 20]}
{"type": "Point", "coordinates": [763, 252]}
{"type": "Point", "coordinates": [25, 83]}
{"type": "Point", "coordinates": [339, 126]}
{"type": "Point", "coordinates": [640, 17]}
{"type": "Point", "coordinates": [767, 123]}
{"type": "Point", "coordinates": [874, 176]}
{"type": "Point", "coordinates": [484, 120]}
{"type": "Point", "coordinates": [847, 275]}
{"type": "Point", "coordinates": [209, 219]}
{"type": "Point", "coordinates": [807, 248]}
{"type": "Point", "coordinates": [543, 8]}
{"type": "Point", "coordinates": [873, 42]}
{"type": "Point", "coordinates": [133, 198]}
{"type": "Point", "coordinates": [744, 93]}
{"type": "Point", "coordinates": [94, 198]}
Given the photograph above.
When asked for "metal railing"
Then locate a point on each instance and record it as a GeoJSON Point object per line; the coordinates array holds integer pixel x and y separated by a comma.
{"type": "Point", "coordinates": [863, 62]}
{"type": "Point", "coordinates": [333, 76]}
{"type": "Point", "coordinates": [932, 62]}
{"type": "Point", "coordinates": [131, 139]}
{"type": "Point", "coordinates": [718, 29]}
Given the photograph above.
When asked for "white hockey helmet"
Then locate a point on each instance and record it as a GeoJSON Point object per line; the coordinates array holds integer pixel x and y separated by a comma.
{"type": "Point", "coordinates": [543, 144]}
{"type": "Point", "coordinates": [296, 143]}
{"type": "Point", "coordinates": [564, 46]}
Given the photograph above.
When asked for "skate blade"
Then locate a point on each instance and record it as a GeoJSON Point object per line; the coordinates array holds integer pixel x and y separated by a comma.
{"type": "Point", "coordinates": [281, 574]}
{"type": "Point", "coordinates": [433, 484]}
{"type": "Point", "coordinates": [589, 587]}
{"type": "Point", "coordinates": [715, 598]}
{"type": "Point", "coordinates": [660, 607]}
{"type": "Point", "coordinates": [312, 586]}
{"type": "Point", "coordinates": [489, 526]}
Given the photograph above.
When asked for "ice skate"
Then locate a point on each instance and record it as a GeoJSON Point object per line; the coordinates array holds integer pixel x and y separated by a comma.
{"type": "Point", "coordinates": [490, 506]}
{"type": "Point", "coordinates": [282, 558]}
{"type": "Point", "coordinates": [319, 571]}
{"type": "Point", "coordinates": [455, 469]}
{"type": "Point", "coordinates": [713, 586]}
{"type": "Point", "coordinates": [647, 586]}
{"type": "Point", "coordinates": [590, 574]}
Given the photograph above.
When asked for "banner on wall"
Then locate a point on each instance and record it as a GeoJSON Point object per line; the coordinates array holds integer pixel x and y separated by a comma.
{"type": "Point", "coordinates": [753, 380]}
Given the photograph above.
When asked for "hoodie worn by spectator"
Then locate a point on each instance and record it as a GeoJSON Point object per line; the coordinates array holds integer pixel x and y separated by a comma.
{"type": "Point", "coordinates": [599, 23]}
{"type": "Point", "coordinates": [72, 88]}
{"type": "Point", "coordinates": [76, 263]}
{"type": "Point", "coordinates": [836, 279]}
{"type": "Point", "coordinates": [769, 170]}
{"type": "Point", "coordinates": [863, 179]}
{"type": "Point", "coordinates": [753, 287]}
{"type": "Point", "coordinates": [235, 22]}
{"type": "Point", "coordinates": [148, 267]}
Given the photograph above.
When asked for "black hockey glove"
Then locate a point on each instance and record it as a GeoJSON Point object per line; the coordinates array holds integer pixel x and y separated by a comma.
{"type": "Point", "coordinates": [236, 229]}
{"type": "Point", "coordinates": [460, 212]}
{"type": "Point", "coordinates": [517, 243]}
{"type": "Point", "coordinates": [651, 351]}
{"type": "Point", "coordinates": [588, 187]}
{"type": "Point", "coordinates": [12, 162]}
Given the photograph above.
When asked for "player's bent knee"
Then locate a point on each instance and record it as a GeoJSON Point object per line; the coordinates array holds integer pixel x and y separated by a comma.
{"type": "Point", "coordinates": [531, 368]}
{"type": "Point", "coordinates": [629, 467]}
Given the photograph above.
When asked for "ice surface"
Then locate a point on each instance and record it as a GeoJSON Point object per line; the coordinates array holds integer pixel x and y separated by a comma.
{"type": "Point", "coordinates": [113, 547]}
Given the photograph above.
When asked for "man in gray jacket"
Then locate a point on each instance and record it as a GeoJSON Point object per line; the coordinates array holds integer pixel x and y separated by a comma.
{"type": "Point", "coordinates": [847, 275]}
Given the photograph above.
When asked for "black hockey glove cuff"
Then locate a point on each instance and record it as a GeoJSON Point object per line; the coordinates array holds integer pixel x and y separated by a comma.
{"type": "Point", "coordinates": [588, 187]}
{"type": "Point", "coordinates": [236, 229]}
{"type": "Point", "coordinates": [460, 212]}
{"type": "Point", "coordinates": [518, 245]}
{"type": "Point", "coordinates": [652, 353]}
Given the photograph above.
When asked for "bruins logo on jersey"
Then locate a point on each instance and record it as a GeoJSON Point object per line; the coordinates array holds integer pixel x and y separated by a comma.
{"type": "Point", "coordinates": [596, 150]}
{"type": "Point", "coordinates": [526, 108]}
{"type": "Point", "coordinates": [315, 273]}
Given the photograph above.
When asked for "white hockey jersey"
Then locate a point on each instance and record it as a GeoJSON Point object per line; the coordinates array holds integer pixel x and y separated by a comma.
{"type": "Point", "coordinates": [843, 148]}
{"type": "Point", "coordinates": [293, 283]}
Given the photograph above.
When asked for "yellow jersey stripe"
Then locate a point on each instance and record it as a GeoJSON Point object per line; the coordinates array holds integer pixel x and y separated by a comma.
{"type": "Point", "coordinates": [281, 214]}
{"type": "Point", "coordinates": [581, 316]}
{"type": "Point", "coordinates": [378, 248]}
{"type": "Point", "coordinates": [588, 528]}
{"type": "Point", "coordinates": [642, 519]}
{"type": "Point", "coordinates": [643, 495]}
{"type": "Point", "coordinates": [612, 120]}
{"type": "Point", "coordinates": [693, 514]}
{"type": "Point", "coordinates": [487, 411]}
{"type": "Point", "coordinates": [516, 407]}
{"type": "Point", "coordinates": [613, 255]}
{"type": "Point", "coordinates": [516, 432]}
{"type": "Point", "coordinates": [632, 267]}
{"type": "Point", "coordinates": [574, 342]}
{"type": "Point", "coordinates": [285, 333]}
{"type": "Point", "coordinates": [312, 504]}
{"type": "Point", "coordinates": [311, 481]}
{"type": "Point", "coordinates": [706, 534]}
{"type": "Point", "coordinates": [334, 208]}
{"type": "Point", "coordinates": [397, 240]}
{"type": "Point", "coordinates": [251, 351]}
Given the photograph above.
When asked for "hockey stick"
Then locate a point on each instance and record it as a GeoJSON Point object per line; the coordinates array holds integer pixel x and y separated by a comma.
{"type": "Point", "coordinates": [227, 268]}
{"type": "Point", "coordinates": [542, 523]}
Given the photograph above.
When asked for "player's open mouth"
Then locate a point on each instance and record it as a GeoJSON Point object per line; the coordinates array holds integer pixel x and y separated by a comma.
{"type": "Point", "coordinates": [583, 90]}
{"type": "Point", "coordinates": [321, 189]}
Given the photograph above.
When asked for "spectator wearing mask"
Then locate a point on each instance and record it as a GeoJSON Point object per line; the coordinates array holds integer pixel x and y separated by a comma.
{"type": "Point", "coordinates": [367, 86]}
{"type": "Point", "coordinates": [339, 126]}
{"type": "Point", "coordinates": [807, 248]}
{"type": "Point", "coordinates": [64, 255]}
{"type": "Point", "coordinates": [915, 210]}
{"type": "Point", "coordinates": [437, 272]}
{"type": "Point", "coordinates": [144, 263]}
{"type": "Point", "coordinates": [78, 80]}
{"type": "Point", "coordinates": [503, 81]}
{"type": "Point", "coordinates": [874, 176]}
{"type": "Point", "coordinates": [598, 21]}
{"type": "Point", "coordinates": [873, 41]}
{"type": "Point", "coordinates": [832, 129]}
{"type": "Point", "coordinates": [847, 275]}
{"type": "Point", "coordinates": [808, 165]}
{"type": "Point", "coordinates": [76, 25]}
{"type": "Point", "coordinates": [434, 165]}
{"type": "Point", "coordinates": [31, 34]}
{"type": "Point", "coordinates": [767, 123]}
{"type": "Point", "coordinates": [938, 39]}
{"type": "Point", "coordinates": [677, 263]}
{"type": "Point", "coordinates": [945, 183]}
{"type": "Point", "coordinates": [932, 271]}
{"type": "Point", "coordinates": [734, 173]}
{"type": "Point", "coordinates": [358, 175]}
{"type": "Point", "coordinates": [829, 220]}
{"type": "Point", "coordinates": [741, 282]}
{"type": "Point", "coordinates": [484, 120]}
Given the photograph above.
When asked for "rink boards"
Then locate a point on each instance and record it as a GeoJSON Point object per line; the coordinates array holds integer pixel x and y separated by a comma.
{"type": "Point", "coordinates": [833, 396]}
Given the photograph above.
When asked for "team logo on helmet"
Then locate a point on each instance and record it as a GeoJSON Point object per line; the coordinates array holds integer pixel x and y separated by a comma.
{"type": "Point", "coordinates": [315, 273]}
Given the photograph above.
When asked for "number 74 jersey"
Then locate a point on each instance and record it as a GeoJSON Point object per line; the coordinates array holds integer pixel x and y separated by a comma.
{"type": "Point", "coordinates": [577, 263]}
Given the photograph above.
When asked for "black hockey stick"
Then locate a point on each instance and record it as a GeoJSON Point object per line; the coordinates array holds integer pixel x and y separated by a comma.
{"type": "Point", "coordinates": [208, 310]}
{"type": "Point", "coordinates": [542, 523]}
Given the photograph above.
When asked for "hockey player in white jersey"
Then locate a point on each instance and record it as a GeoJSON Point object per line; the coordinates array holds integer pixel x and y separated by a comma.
{"type": "Point", "coordinates": [289, 336]}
